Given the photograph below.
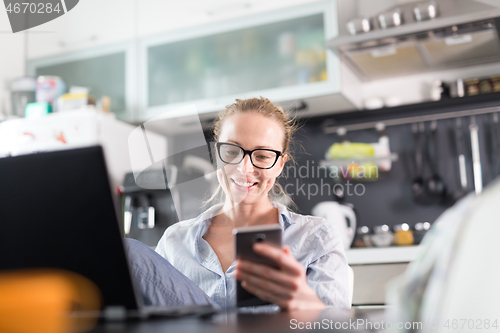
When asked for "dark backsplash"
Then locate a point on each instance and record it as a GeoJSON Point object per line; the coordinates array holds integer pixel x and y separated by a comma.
{"type": "Point", "coordinates": [389, 199]}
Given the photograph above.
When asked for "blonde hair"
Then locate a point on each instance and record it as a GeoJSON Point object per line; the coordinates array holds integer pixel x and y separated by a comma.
{"type": "Point", "coordinates": [266, 108]}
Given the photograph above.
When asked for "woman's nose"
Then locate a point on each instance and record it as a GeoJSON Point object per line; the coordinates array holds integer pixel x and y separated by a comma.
{"type": "Point", "coordinates": [246, 165]}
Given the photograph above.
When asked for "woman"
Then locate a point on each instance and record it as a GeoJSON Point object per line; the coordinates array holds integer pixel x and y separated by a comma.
{"type": "Point", "coordinates": [253, 141]}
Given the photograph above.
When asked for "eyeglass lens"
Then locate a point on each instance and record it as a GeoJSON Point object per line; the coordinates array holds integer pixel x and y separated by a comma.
{"type": "Point", "coordinates": [234, 155]}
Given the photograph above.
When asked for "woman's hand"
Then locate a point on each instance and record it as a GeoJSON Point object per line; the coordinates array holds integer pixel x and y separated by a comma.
{"type": "Point", "coordinates": [286, 287]}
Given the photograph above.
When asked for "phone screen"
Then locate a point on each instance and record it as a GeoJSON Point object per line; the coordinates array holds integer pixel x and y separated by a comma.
{"type": "Point", "coordinates": [245, 238]}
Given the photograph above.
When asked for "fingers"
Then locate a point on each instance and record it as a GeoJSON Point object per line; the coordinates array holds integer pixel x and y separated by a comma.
{"type": "Point", "coordinates": [279, 286]}
{"type": "Point", "coordinates": [248, 268]}
{"type": "Point", "coordinates": [282, 258]}
{"type": "Point", "coordinates": [270, 289]}
{"type": "Point", "coordinates": [284, 286]}
{"type": "Point", "coordinates": [272, 297]}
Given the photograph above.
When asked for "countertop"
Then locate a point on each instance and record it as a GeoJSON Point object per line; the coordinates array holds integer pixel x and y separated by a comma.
{"type": "Point", "coordinates": [381, 255]}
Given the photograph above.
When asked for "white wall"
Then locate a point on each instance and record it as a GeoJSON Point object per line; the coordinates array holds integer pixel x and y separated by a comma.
{"type": "Point", "coordinates": [11, 58]}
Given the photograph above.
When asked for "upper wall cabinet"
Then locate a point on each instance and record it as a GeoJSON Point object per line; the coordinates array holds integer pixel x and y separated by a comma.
{"type": "Point", "coordinates": [107, 70]}
{"type": "Point", "coordinates": [280, 55]}
{"type": "Point", "coordinates": [154, 17]}
{"type": "Point", "coordinates": [89, 24]}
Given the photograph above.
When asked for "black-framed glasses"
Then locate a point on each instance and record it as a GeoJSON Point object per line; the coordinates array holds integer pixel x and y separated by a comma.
{"type": "Point", "coordinates": [261, 158]}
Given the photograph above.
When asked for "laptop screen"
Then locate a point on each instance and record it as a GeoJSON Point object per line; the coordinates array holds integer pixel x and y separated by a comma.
{"type": "Point", "coordinates": [57, 211]}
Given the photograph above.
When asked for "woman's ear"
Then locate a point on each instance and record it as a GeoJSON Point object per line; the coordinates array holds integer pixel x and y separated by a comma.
{"type": "Point", "coordinates": [283, 160]}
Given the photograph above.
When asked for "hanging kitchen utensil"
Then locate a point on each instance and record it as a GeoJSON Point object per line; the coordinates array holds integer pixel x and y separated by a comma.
{"type": "Point", "coordinates": [382, 148]}
{"type": "Point", "coordinates": [431, 190]}
{"type": "Point", "coordinates": [417, 186]}
{"type": "Point", "coordinates": [476, 156]}
{"type": "Point", "coordinates": [461, 155]}
{"type": "Point", "coordinates": [435, 186]}
{"type": "Point", "coordinates": [462, 166]}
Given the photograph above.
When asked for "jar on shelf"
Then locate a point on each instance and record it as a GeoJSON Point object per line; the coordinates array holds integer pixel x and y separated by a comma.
{"type": "Point", "coordinates": [362, 238]}
{"type": "Point", "coordinates": [485, 86]}
{"type": "Point", "coordinates": [382, 236]}
{"type": "Point", "coordinates": [421, 229]}
{"type": "Point", "coordinates": [403, 235]}
{"type": "Point", "coordinates": [472, 87]}
{"type": "Point", "coordinates": [495, 83]}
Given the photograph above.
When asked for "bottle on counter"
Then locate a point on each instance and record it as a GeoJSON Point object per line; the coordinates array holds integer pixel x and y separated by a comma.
{"type": "Point", "coordinates": [403, 235]}
{"type": "Point", "coordinates": [495, 83]}
{"type": "Point", "coordinates": [362, 238]}
{"type": "Point", "coordinates": [421, 229]}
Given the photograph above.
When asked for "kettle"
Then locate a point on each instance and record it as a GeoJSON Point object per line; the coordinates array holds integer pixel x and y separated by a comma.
{"type": "Point", "coordinates": [342, 216]}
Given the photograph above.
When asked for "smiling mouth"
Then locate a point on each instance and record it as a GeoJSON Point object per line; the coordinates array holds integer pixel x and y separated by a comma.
{"type": "Point", "coordinates": [243, 184]}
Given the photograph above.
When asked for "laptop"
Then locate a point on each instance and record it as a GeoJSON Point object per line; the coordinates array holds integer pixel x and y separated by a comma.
{"type": "Point", "coordinates": [57, 211]}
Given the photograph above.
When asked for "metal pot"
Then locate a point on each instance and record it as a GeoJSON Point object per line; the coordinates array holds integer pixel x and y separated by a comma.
{"type": "Point", "coordinates": [359, 25]}
{"type": "Point", "coordinates": [393, 18]}
{"type": "Point", "coordinates": [426, 11]}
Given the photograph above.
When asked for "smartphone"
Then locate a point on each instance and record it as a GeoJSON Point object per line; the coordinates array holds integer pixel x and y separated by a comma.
{"type": "Point", "coordinates": [245, 237]}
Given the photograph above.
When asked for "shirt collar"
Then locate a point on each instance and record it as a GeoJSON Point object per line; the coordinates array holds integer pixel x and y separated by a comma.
{"type": "Point", "coordinates": [204, 219]}
{"type": "Point", "coordinates": [203, 222]}
{"type": "Point", "coordinates": [284, 215]}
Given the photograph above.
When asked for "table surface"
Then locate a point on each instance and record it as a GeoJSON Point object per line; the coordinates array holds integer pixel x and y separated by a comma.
{"type": "Point", "coordinates": [233, 322]}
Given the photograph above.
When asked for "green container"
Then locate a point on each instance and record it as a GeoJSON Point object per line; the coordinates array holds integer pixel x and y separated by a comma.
{"type": "Point", "coordinates": [35, 110]}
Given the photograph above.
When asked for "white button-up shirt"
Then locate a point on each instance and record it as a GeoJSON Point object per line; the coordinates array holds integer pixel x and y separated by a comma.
{"type": "Point", "coordinates": [313, 241]}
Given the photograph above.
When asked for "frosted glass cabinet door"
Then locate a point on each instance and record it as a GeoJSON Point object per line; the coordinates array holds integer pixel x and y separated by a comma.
{"type": "Point", "coordinates": [263, 57]}
{"type": "Point", "coordinates": [209, 69]}
{"type": "Point", "coordinates": [105, 70]}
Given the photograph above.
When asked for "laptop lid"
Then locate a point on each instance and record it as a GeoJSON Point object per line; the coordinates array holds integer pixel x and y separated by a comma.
{"type": "Point", "coordinates": [57, 211]}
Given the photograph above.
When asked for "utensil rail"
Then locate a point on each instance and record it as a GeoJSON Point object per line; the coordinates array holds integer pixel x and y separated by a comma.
{"type": "Point", "coordinates": [411, 120]}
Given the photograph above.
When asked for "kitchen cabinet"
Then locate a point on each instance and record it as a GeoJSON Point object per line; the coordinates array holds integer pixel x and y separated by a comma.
{"type": "Point", "coordinates": [280, 55]}
{"type": "Point", "coordinates": [11, 64]}
{"type": "Point", "coordinates": [93, 23]}
{"type": "Point", "coordinates": [155, 16]}
{"type": "Point", "coordinates": [374, 268]}
{"type": "Point", "coordinates": [277, 54]}
{"type": "Point", "coordinates": [107, 70]}
{"type": "Point", "coordinates": [89, 24]}
{"type": "Point", "coordinates": [370, 282]}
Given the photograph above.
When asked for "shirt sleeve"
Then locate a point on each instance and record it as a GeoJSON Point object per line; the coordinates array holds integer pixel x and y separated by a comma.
{"type": "Point", "coordinates": [327, 274]}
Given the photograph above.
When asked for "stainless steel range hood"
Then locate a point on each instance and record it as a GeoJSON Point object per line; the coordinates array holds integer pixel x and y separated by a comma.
{"type": "Point", "coordinates": [466, 34]}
